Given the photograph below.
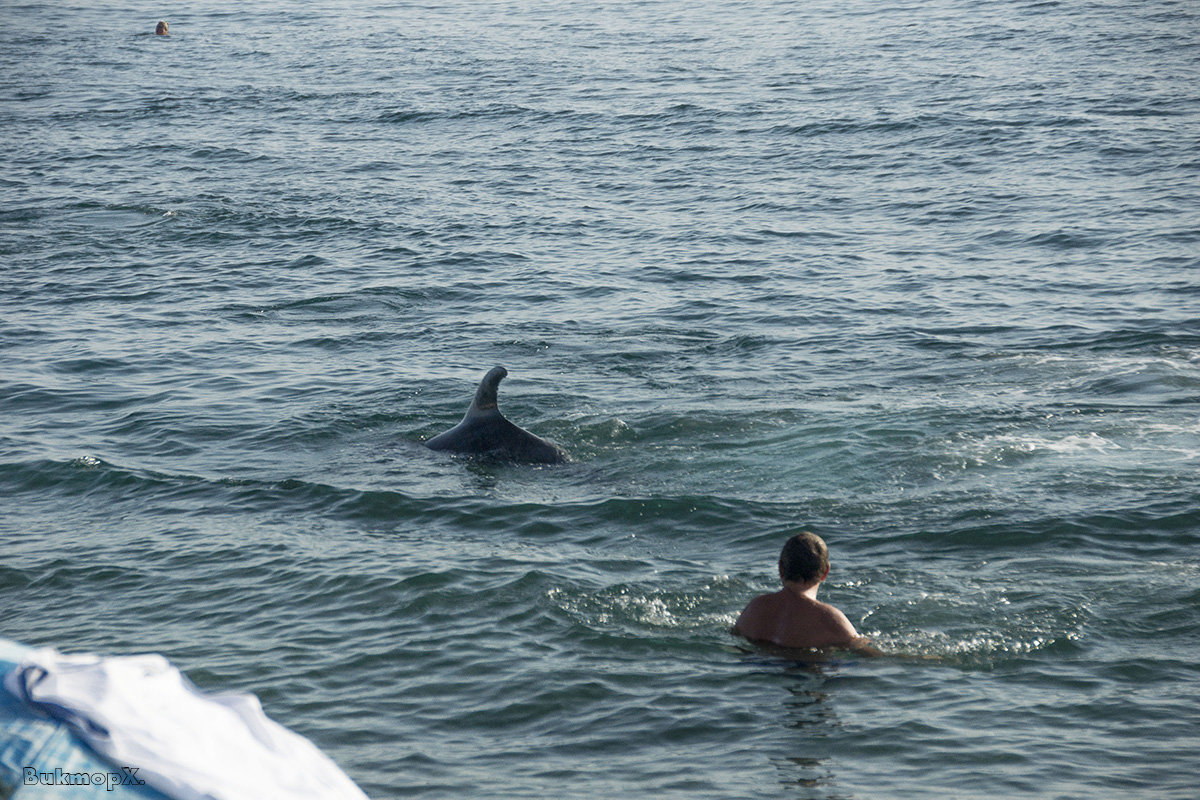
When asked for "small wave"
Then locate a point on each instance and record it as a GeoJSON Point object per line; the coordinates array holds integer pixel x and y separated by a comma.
{"type": "Point", "coordinates": [1063, 239]}
{"type": "Point", "coordinates": [706, 607]}
{"type": "Point", "coordinates": [994, 448]}
{"type": "Point", "coordinates": [976, 650]}
{"type": "Point", "coordinates": [227, 155]}
{"type": "Point", "coordinates": [85, 475]}
{"type": "Point", "coordinates": [1124, 531]}
{"type": "Point", "coordinates": [848, 126]}
{"type": "Point", "coordinates": [497, 111]}
{"type": "Point", "coordinates": [409, 115]}
{"type": "Point", "coordinates": [607, 431]}
{"type": "Point", "coordinates": [828, 236]}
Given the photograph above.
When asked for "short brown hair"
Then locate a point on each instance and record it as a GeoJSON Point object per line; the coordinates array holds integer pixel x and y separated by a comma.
{"type": "Point", "coordinates": [804, 558]}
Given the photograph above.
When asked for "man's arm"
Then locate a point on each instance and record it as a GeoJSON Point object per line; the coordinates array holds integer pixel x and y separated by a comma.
{"type": "Point", "coordinates": [862, 645]}
{"type": "Point", "coordinates": [849, 638]}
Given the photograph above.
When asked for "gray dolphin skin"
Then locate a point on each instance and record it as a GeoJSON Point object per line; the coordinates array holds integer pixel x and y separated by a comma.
{"type": "Point", "coordinates": [484, 431]}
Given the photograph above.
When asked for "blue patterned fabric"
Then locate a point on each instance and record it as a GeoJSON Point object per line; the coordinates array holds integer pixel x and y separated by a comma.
{"type": "Point", "coordinates": [41, 760]}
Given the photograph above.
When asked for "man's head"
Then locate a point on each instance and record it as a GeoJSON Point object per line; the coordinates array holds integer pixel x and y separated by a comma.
{"type": "Point", "coordinates": [162, 29]}
{"type": "Point", "coordinates": [804, 559]}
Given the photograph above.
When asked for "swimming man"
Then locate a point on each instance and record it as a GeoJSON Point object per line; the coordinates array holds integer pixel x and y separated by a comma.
{"type": "Point", "coordinates": [793, 617]}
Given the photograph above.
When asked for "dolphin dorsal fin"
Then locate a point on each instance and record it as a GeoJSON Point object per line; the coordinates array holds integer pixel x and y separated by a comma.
{"type": "Point", "coordinates": [485, 395]}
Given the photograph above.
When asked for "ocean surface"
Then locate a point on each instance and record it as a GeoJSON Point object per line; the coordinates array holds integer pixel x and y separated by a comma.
{"type": "Point", "coordinates": [920, 276]}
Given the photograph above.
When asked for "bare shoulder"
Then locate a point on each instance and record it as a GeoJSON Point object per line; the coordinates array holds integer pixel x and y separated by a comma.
{"type": "Point", "coordinates": [753, 617]}
{"type": "Point", "coordinates": [837, 624]}
{"type": "Point", "coordinates": [836, 616]}
{"type": "Point", "coordinates": [842, 629]}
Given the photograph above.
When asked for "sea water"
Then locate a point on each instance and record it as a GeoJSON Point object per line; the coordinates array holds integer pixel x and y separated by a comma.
{"type": "Point", "coordinates": [922, 277]}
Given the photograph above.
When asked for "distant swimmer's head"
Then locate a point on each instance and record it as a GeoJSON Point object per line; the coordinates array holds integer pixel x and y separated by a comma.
{"type": "Point", "coordinates": [804, 559]}
{"type": "Point", "coordinates": [161, 29]}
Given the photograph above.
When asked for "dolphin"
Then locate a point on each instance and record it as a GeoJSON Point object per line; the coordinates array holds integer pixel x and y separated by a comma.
{"type": "Point", "coordinates": [484, 431]}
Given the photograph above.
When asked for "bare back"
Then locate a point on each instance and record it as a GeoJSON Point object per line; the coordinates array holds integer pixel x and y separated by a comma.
{"type": "Point", "coordinates": [791, 620]}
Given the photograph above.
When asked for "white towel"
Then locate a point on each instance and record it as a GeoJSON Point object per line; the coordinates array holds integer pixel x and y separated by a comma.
{"type": "Point", "coordinates": [139, 711]}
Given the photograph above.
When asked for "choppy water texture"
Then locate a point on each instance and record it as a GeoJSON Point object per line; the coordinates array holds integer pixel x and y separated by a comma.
{"type": "Point", "coordinates": [922, 277]}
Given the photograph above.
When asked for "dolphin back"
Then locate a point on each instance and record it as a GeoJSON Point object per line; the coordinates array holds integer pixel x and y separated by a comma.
{"type": "Point", "coordinates": [484, 431]}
